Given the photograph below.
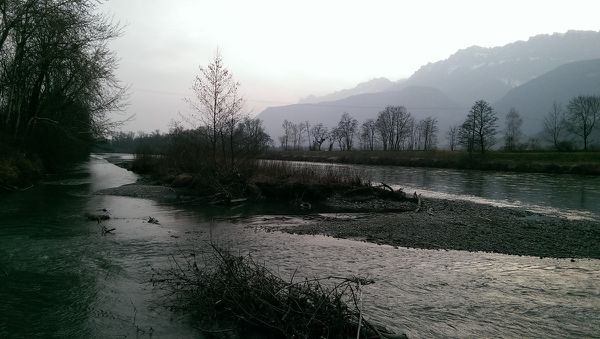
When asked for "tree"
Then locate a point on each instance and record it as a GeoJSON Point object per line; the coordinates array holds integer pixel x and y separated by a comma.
{"type": "Point", "coordinates": [252, 136]}
{"type": "Point", "coordinates": [287, 134]}
{"type": "Point", "coordinates": [393, 125]}
{"type": "Point", "coordinates": [57, 81]}
{"type": "Point", "coordinates": [479, 128]}
{"type": "Point", "coordinates": [216, 100]}
{"type": "Point", "coordinates": [554, 124]}
{"type": "Point", "coordinates": [319, 134]}
{"type": "Point", "coordinates": [427, 133]}
{"type": "Point", "coordinates": [512, 133]}
{"type": "Point", "coordinates": [346, 130]}
{"type": "Point", "coordinates": [368, 132]}
{"type": "Point", "coordinates": [452, 137]}
{"type": "Point", "coordinates": [584, 111]}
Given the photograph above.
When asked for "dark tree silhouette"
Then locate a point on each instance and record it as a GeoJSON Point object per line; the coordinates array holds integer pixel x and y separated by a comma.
{"type": "Point", "coordinates": [57, 82]}
{"type": "Point", "coordinates": [479, 128]}
{"type": "Point", "coordinates": [584, 111]}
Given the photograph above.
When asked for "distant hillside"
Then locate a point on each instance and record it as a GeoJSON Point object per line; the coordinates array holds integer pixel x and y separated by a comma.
{"type": "Point", "coordinates": [421, 101]}
{"type": "Point", "coordinates": [534, 99]}
{"type": "Point", "coordinates": [371, 86]}
{"type": "Point", "coordinates": [489, 73]}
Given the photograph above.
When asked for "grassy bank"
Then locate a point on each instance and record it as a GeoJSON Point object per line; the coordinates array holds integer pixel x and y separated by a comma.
{"type": "Point", "coordinates": [531, 162]}
{"type": "Point", "coordinates": [252, 179]}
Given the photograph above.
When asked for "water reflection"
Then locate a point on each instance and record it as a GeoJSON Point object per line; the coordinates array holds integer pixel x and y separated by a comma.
{"type": "Point", "coordinates": [566, 195]}
{"type": "Point", "coordinates": [60, 278]}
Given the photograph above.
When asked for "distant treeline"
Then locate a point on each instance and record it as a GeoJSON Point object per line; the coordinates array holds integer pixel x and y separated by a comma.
{"type": "Point", "coordinates": [191, 149]}
{"type": "Point", "coordinates": [395, 129]}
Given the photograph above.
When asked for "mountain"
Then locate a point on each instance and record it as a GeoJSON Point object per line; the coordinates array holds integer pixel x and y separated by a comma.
{"type": "Point", "coordinates": [534, 99]}
{"type": "Point", "coordinates": [489, 73]}
{"type": "Point", "coordinates": [420, 101]}
{"type": "Point", "coordinates": [371, 86]}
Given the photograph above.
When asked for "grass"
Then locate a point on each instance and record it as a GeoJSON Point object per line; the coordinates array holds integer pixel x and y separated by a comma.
{"type": "Point", "coordinates": [251, 178]}
{"type": "Point", "coordinates": [246, 297]}
{"type": "Point", "coordinates": [529, 161]}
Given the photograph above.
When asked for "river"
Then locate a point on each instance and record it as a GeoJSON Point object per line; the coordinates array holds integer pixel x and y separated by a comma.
{"type": "Point", "coordinates": [571, 196]}
{"type": "Point", "coordinates": [59, 277]}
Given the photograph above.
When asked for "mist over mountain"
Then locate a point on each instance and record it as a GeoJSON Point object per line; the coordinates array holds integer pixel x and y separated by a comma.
{"type": "Point", "coordinates": [371, 86]}
{"type": "Point", "coordinates": [534, 99]}
{"type": "Point", "coordinates": [420, 101]}
{"type": "Point", "coordinates": [489, 73]}
{"type": "Point", "coordinates": [526, 75]}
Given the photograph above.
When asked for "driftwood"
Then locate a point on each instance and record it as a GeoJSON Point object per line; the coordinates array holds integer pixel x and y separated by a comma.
{"type": "Point", "coordinates": [419, 201]}
{"type": "Point", "coordinates": [106, 230]}
{"type": "Point", "coordinates": [386, 186]}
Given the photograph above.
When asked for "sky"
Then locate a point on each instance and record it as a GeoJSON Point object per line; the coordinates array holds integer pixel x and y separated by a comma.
{"type": "Point", "coordinates": [281, 51]}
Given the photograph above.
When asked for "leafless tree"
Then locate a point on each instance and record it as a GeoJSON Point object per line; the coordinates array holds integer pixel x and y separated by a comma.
{"type": "Point", "coordinates": [57, 75]}
{"type": "Point", "coordinates": [427, 133]}
{"type": "Point", "coordinates": [452, 137]}
{"type": "Point", "coordinates": [319, 134]}
{"type": "Point", "coordinates": [393, 125]}
{"type": "Point", "coordinates": [554, 124]}
{"type": "Point", "coordinates": [512, 133]}
{"type": "Point", "coordinates": [346, 130]}
{"type": "Point", "coordinates": [216, 100]}
{"type": "Point", "coordinates": [584, 111]}
{"type": "Point", "coordinates": [287, 134]}
{"type": "Point", "coordinates": [479, 128]}
{"type": "Point", "coordinates": [368, 131]}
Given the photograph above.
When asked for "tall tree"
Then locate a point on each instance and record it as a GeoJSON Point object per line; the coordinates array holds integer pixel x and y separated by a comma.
{"type": "Point", "coordinates": [554, 124]}
{"type": "Point", "coordinates": [479, 128]}
{"type": "Point", "coordinates": [393, 125]}
{"type": "Point", "coordinates": [512, 132]}
{"type": "Point", "coordinates": [427, 134]}
{"type": "Point", "coordinates": [584, 111]}
{"type": "Point", "coordinates": [319, 134]}
{"type": "Point", "coordinates": [215, 96]}
{"type": "Point", "coordinates": [368, 131]}
{"type": "Point", "coordinates": [347, 129]}
{"type": "Point", "coordinates": [57, 81]}
{"type": "Point", "coordinates": [452, 137]}
{"type": "Point", "coordinates": [287, 134]}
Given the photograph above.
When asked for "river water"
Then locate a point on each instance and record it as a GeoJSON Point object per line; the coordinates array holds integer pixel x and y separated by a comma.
{"type": "Point", "coordinates": [572, 196]}
{"type": "Point", "coordinates": [59, 277]}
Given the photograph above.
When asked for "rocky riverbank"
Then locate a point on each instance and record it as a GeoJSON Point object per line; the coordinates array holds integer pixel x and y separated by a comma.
{"type": "Point", "coordinates": [462, 225]}
{"type": "Point", "coordinates": [381, 216]}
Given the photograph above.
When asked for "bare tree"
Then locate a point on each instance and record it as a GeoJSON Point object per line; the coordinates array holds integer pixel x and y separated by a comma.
{"type": "Point", "coordinates": [512, 133]}
{"type": "Point", "coordinates": [368, 131]}
{"type": "Point", "coordinates": [307, 130]}
{"type": "Point", "coordinates": [452, 137]}
{"type": "Point", "coordinates": [57, 81]}
{"type": "Point", "coordinates": [427, 133]}
{"type": "Point", "coordinates": [554, 124]}
{"type": "Point", "coordinates": [479, 128]}
{"type": "Point", "coordinates": [215, 95]}
{"type": "Point", "coordinates": [347, 129]}
{"type": "Point", "coordinates": [287, 134]}
{"type": "Point", "coordinates": [584, 111]}
{"type": "Point", "coordinates": [319, 134]}
{"type": "Point", "coordinates": [393, 125]}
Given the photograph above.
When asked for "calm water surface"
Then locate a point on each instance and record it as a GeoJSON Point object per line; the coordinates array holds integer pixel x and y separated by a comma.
{"type": "Point", "coordinates": [573, 196]}
{"type": "Point", "coordinates": [60, 278]}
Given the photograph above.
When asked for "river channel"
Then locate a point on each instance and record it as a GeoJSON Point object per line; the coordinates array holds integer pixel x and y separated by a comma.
{"type": "Point", "coordinates": [59, 277]}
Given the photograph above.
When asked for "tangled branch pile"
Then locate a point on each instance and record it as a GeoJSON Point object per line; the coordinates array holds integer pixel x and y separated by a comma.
{"type": "Point", "coordinates": [238, 292]}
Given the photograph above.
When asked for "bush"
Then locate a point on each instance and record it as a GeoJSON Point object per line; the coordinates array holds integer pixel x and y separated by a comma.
{"type": "Point", "coordinates": [237, 291]}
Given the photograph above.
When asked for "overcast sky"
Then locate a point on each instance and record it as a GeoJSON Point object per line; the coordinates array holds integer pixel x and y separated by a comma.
{"type": "Point", "coordinates": [282, 50]}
